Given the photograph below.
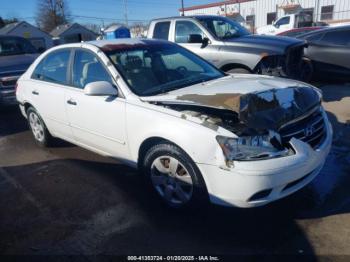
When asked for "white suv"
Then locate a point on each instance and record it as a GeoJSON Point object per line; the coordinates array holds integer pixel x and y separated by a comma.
{"type": "Point", "coordinates": [197, 133]}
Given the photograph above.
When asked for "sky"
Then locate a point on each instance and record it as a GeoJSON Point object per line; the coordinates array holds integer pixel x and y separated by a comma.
{"type": "Point", "coordinates": [96, 11]}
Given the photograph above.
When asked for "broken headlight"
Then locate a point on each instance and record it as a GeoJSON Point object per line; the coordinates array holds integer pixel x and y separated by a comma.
{"type": "Point", "coordinates": [250, 148]}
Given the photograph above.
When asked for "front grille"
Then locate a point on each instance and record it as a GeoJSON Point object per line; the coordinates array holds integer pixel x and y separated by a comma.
{"type": "Point", "coordinates": [7, 82]}
{"type": "Point", "coordinates": [310, 129]}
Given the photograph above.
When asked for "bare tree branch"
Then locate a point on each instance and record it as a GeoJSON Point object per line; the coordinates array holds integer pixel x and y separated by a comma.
{"type": "Point", "coordinates": [52, 13]}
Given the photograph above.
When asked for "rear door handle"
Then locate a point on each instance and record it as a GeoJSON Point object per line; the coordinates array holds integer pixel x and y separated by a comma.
{"type": "Point", "coordinates": [71, 102]}
{"type": "Point", "coordinates": [35, 92]}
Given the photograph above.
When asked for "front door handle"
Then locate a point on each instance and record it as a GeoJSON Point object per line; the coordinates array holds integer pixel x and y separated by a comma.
{"type": "Point", "coordinates": [71, 102]}
{"type": "Point", "coordinates": [35, 92]}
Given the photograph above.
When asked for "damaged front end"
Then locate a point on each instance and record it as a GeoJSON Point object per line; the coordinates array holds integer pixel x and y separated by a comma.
{"type": "Point", "coordinates": [264, 122]}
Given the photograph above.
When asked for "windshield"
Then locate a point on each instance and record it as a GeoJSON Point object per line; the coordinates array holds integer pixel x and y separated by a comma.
{"type": "Point", "coordinates": [159, 68]}
{"type": "Point", "coordinates": [15, 46]}
{"type": "Point", "coordinates": [223, 28]}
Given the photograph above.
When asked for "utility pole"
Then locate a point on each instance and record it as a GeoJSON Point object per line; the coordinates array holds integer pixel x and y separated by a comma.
{"type": "Point", "coordinates": [126, 12]}
{"type": "Point", "coordinates": [182, 7]}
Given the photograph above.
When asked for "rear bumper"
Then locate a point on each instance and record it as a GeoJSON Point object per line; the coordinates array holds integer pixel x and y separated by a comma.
{"type": "Point", "coordinates": [256, 183]}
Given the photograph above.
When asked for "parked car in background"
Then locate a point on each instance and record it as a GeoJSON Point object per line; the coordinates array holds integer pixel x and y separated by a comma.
{"type": "Point", "coordinates": [16, 55]}
{"type": "Point", "coordinates": [195, 132]}
{"type": "Point", "coordinates": [299, 31]}
{"type": "Point", "coordinates": [286, 23]}
{"type": "Point", "coordinates": [231, 47]}
{"type": "Point", "coordinates": [329, 51]}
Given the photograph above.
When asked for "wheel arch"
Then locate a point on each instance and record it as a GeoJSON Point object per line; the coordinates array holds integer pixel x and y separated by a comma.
{"type": "Point", "coordinates": [27, 105]}
{"type": "Point", "coordinates": [230, 66]}
{"type": "Point", "coordinates": [148, 143]}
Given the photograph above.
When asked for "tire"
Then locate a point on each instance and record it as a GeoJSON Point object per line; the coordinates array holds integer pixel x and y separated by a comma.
{"type": "Point", "coordinates": [38, 128]}
{"type": "Point", "coordinates": [306, 70]}
{"type": "Point", "coordinates": [174, 176]}
{"type": "Point", "coordinates": [238, 70]}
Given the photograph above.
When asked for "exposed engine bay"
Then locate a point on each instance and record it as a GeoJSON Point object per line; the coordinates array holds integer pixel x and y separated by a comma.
{"type": "Point", "coordinates": [252, 113]}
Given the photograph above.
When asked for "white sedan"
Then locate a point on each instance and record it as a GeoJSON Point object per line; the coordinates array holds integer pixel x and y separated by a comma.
{"type": "Point", "coordinates": [197, 133]}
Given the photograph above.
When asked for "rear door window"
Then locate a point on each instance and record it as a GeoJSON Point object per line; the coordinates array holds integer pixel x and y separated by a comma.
{"type": "Point", "coordinates": [314, 37]}
{"type": "Point", "coordinates": [53, 68]}
{"type": "Point", "coordinates": [161, 30]}
{"type": "Point", "coordinates": [340, 37]}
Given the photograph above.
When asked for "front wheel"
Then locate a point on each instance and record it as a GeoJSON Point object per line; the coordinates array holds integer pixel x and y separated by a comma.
{"type": "Point", "coordinates": [37, 126]}
{"type": "Point", "coordinates": [174, 176]}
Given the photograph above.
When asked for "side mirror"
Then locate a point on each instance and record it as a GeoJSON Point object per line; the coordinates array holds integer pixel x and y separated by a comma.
{"type": "Point", "coordinates": [100, 88]}
{"type": "Point", "coordinates": [195, 39]}
{"type": "Point", "coordinates": [205, 42]}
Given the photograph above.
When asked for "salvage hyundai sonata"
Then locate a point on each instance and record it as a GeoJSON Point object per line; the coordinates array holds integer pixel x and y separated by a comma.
{"type": "Point", "coordinates": [195, 132]}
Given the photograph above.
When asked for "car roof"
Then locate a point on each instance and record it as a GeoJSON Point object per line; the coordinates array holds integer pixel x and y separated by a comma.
{"type": "Point", "coordinates": [187, 17]}
{"type": "Point", "coordinates": [126, 43]}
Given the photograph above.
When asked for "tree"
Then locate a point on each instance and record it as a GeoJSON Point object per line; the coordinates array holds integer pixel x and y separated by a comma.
{"type": "Point", "coordinates": [52, 13]}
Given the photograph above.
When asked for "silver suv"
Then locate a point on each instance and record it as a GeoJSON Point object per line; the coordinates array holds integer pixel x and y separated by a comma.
{"type": "Point", "coordinates": [231, 47]}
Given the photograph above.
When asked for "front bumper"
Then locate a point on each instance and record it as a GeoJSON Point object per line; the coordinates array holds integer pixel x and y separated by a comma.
{"type": "Point", "coordinates": [256, 183]}
{"type": "Point", "coordinates": [8, 97]}
{"type": "Point", "coordinates": [8, 90]}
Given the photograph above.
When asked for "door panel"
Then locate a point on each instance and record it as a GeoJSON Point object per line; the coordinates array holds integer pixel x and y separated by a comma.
{"type": "Point", "coordinates": [47, 90]}
{"type": "Point", "coordinates": [330, 58]}
{"type": "Point", "coordinates": [49, 102]}
{"type": "Point", "coordinates": [98, 121]}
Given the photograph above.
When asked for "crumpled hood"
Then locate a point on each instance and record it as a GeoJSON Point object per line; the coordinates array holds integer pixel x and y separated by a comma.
{"type": "Point", "coordinates": [16, 62]}
{"type": "Point", "coordinates": [260, 102]}
{"type": "Point", "coordinates": [273, 43]}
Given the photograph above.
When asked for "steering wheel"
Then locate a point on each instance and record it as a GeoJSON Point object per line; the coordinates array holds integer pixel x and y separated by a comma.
{"type": "Point", "coordinates": [228, 34]}
{"type": "Point", "coordinates": [182, 70]}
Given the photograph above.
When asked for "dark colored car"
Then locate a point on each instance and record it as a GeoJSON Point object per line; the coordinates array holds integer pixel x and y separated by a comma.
{"type": "Point", "coordinates": [299, 31]}
{"type": "Point", "coordinates": [16, 55]}
{"type": "Point", "coordinates": [329, 52]}
{"type": "Point", "coordinates": [231, 47]}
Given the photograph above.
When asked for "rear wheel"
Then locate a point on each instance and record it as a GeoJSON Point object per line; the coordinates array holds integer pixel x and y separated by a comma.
{"type": "Point", "coordinates": [174, 176]}
{"type": "Point", "coordinates": [37, 126]}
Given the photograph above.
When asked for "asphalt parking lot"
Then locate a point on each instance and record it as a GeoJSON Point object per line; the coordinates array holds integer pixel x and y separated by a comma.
{"type": "Point", "coordinates": [66, 200]}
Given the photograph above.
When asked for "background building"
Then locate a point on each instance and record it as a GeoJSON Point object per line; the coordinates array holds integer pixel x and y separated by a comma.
{"type": "Point", "coordinates": [257, 13]}
{"type": "Point", "coordinates": [72, 33]}
{"type": "Point", "coordinates": [38, 38]}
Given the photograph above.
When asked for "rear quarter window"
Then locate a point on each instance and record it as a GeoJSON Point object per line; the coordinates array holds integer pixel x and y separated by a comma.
{"type": "Point", "coordinates": [161, 30]}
